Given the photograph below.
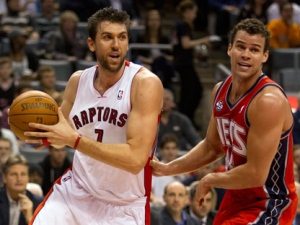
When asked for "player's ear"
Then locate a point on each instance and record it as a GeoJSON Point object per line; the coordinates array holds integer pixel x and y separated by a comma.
{"type": "Point", "coordinates": [91, 44]}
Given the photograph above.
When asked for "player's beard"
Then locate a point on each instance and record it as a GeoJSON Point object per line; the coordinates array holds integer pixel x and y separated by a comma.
{"type": "Point", "coordinates": [105, 64]}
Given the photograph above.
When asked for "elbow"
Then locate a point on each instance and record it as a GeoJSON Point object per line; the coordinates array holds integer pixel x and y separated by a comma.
{"type": "Point", "coordinates": [137, 167]}
{"type": "Point", "coordinates": [256, 179]}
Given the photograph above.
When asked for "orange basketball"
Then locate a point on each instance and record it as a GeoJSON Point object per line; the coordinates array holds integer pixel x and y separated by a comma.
{"type": "Point", "coordinates": [32, 106]}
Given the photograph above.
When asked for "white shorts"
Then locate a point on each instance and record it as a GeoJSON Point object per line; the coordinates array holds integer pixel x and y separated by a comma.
{"type": "Point", "coordinates": [68, 204]}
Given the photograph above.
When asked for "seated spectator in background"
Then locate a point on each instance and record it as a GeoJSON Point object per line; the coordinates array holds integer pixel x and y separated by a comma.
{"type": "Point", "coordinates": [255, 9]}
{"type": "Point", "coordinates": [7, 83]}
{"type": "Point", "coordinates": [284, 32]}
{"type": "Point", "coordinates": [5, 149]}
{"type": "Point", "coordinates": [296, 128]}
{"type": "Point", "coordinates": [6, 133]}
{"type": "Point", "coordinates": [36, 174]}
{"type": "Point", "coordinates": [67, 42]}
{"type": "Point", "coordinates": [297, 184]}
{"type": "Point", "coordinates": [205, 213]}
{"type": "Point", "coordinates": [5, 152]}
{"type": "Point", "coordinates": [83, 9]}
{"type": "Point", "coordinates": [47, 78]}
{"type": "Point", "coordinates": [168, 151]}
{"type": "Point", "coordinates": [32, 7]}
{"type": "Point", "coordinates": [177, 123]}
{"type": "Point", "coordinates": [20, 88]}
{"type": "Point", "coordinates": [16, 19]}
{"type": "Point", "coordinates": [17, 203]}
{"type": "Point", "coordinates": [48, 20]}
{"type": "Point", "coordinates": [175, 197]}
{"type": "Point", "coordinates": [25, 61]}
{"type": "Point", "coordinates": [198, 175]}
{"type": "Point", "coordinates": [225, 10]}
{"type": "Point", "coordinates": [273, 11]}
{"type": "Point", "coordinates": [126, 5]}
{"type": "Point", "coordinates": [296, 151]}
{"type": "Point", "coordinates": [54, 165]}
{"type": "Point", "coordinates": [158, 61]}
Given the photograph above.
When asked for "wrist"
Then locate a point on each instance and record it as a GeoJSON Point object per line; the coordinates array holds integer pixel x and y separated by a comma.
{"type": "Point", "coordinates": [76, 143]}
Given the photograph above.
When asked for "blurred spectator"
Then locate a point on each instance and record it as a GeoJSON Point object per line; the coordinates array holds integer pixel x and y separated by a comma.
{"type": "Point", "coordinates": [20, 88]}
{"type": "Point", "coordinates": [7, 84]}
{"type": "Point", "coordinates": [158, 61]}
{"type": "Point", "coordinates": [48, 20]}
{"type": "Point", "coordinates": [54, 165]}
{"type": "Point", "coordinates": [5, 149]}
{"type": "Point", "coordinates": [296, 151]}
{"type": "Point", "coordinates": [205, 213]}
{"type": "Point", "coordinates": [198, 175]}
{"type": "Point", "coordinates": [284, 32]}
{"type": "Point", "coordinates": [273, 11]}
{"type": "Point", "coordinates": [177, 123]}
{"type": "Point", "coordinates": [175, 197]}
{"type": "Point", "coordinates": [296, 128]}
{"type": "Point", "coordinates": [127, 5]}
{"type": "Point", "coordinates": [67, 42]}
{"type": "Point", "coordinates": [47, 78]}
{"type": "Point", "coordinates": [183, 48]}
{"type": "Point", "coordinates": [32, 7]}
{"type": "Point", "coordinates": [255, 9]}
{"type": "Point", "coordinates": [83, 9]}
{"type": "Point", "coordinates": [5, 152]}
{"type": "Point", "coordinates": [36, 174]}
{"type": "Point", "coordinates": [168, 151]}
{"type": "Point", "coordinates": [6, 133]}
{"type": "Point", "coordinates": [297, 184]}
{"type": "Point", "coordinates": [25, 61]}
{"type": "Point", "coordinates": [17, 203]}
{"type": "Point", "coordinates": [226, 11]}
{"type": "Point", "coordinates": [15, 19]}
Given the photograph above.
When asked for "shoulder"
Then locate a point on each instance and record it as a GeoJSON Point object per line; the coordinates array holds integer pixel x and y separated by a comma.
{"type": "Point", "coordinates": [145, 79]}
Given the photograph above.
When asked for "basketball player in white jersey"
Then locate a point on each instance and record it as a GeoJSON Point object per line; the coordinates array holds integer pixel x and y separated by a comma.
{"type": "Point", "coordinates": [114, 110]}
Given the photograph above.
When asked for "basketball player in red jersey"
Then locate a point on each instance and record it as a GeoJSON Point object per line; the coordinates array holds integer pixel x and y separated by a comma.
{"type": "Point", "coordinates": [251, 125]}
{"type": "Point", "coordinates": [114, 110]}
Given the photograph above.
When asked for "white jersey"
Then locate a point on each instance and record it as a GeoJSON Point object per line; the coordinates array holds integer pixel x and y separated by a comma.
{"type": "Point", "coordinates": [104, 118]}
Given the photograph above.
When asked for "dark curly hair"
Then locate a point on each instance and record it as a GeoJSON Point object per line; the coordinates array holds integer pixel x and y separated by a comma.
{"type": "Point", "coordinates": [252, 26]}
{"type": "Point", "coordinates": [107, 14]}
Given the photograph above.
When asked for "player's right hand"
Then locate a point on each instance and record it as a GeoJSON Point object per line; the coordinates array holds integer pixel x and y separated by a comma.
{"type": "Point", "coordinates": [158, 168]}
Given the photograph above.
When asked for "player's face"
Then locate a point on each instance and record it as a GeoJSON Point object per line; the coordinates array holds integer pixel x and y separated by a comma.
{"type": "Point", "coordinates": [16, 178]}
{"type": "Point", "coordinates": [247, 55]}
{"type": "Point", "coordinates": [205, 208]}
{"type": "Point", "coordinates": [110, 46]}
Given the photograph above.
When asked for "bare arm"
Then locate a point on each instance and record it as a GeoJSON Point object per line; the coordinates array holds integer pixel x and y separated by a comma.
{"type": "Point", "coordinates": [188, 43]}
{"type": "Point", "coordinates": [205, 152]}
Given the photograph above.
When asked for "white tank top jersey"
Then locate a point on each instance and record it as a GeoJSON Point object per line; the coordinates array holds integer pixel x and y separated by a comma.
{"type": "Point", "coordinates": [104, 118]}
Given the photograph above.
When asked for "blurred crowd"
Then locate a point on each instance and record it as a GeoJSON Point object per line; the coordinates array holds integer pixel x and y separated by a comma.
{"type": "Point", "coordinates": [36, 36]}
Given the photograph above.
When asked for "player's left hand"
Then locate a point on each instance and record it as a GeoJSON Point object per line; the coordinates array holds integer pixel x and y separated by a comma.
{"type": "Point", "coordinates": [57, 135]}
{"type": "Point", "coordinates": [201, 191]}
{"type": "Point", "coordinates": [158, 168]}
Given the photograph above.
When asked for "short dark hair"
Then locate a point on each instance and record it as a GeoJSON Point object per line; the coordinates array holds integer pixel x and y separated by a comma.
{"type": "Point", "coordinates": [185, 5]}
{"type": "Point", "coordinates": [167, 138]}
{"type": "Point", "coordinates": [252, 26]}
{"type": "Point", "coordinates": [14, 159]}
{"type": "Point", "coordinates": [107, 14]}
{"type": "Point", "coordinates": [42, 69]}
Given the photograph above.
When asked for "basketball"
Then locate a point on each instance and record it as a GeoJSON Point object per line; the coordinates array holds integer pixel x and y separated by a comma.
{"type": "Point", "coordinates": [31, 106]}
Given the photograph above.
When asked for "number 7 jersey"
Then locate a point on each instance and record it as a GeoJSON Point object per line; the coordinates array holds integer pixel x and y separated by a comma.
{"type": "Point", "coordinates": [104, 119]}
